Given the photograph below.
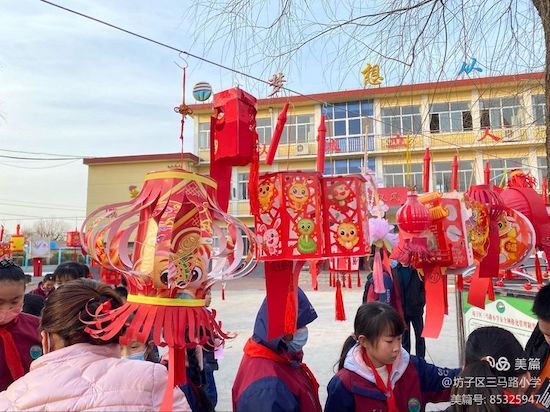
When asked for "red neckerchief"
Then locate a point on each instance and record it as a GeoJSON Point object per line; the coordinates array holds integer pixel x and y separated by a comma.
{"type": "Point", "coordinates": [256, 350]}
{"type": "Point", "coordinates": [11, 354]}
{"type": "Point", "coordinates": [386, 389]}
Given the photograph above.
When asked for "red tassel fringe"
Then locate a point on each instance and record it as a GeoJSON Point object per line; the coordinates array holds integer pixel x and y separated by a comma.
{"type": "Point", "coordinates": [491, 291]}
{"type": "Point", "coordinates": [358, 279]}
{"type": "Point", "coordinates": [538, 269]}
{"type": "Point", "coordinates": [349, 281]}
{"type": "Point", "coordinates": [223, 292]}
{"type": "Point", "coordinates": [459, 282]}
{"type": "Point", "coordinates": [340, 312]}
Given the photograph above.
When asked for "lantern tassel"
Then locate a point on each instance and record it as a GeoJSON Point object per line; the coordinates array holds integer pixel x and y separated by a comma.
{"type": "Point", "coordinates": [459, 281]}
{"type": "Point", "coordinates": [491, 291]}
{"type": "Point", "coordinates": [223, 292]}
{"type": "Point", "coordinates": [340, 312]}
{"type": "Point", "coordinates": [358, 279]}
{"type": "Point", "coordinates": [538, 269]}
{"type": "Point", "coordinates": [349, 281]}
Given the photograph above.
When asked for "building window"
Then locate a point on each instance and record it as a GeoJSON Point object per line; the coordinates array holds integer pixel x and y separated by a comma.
{"type": "Point", "coordinates": [539, 108]}
{"type": "Point", "coordinates": [263, 128]}
{"type": "Point", "coordinates": [395, 175]}
{"type": "Point", "coordinates": [450, 117]}
{"type": "Point", "coordinates": [500, 113]}
{"type": "Point", "coordinates": [542, 171]}
{"type": "Point", "coordinates": [501, 167]}
{"type": "Point", "coordinates": [204, 135]}
{"type": "Point", "coordinates": [442, 172]}
{"type": "Point", "coordinates": [347, 124]}
{"type": "Point", "coordinates": [242, 186]}
{"type": "Point", "coordinates": [298, 129]}
{"type": "Point", "coordinates": [343, 166]}
{"type": "Point", "coordinates": [401, 120]}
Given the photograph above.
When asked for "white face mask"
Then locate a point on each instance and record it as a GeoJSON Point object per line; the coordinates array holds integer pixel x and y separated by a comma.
{"type": "Point", "coordinates": [298, 340]}
{"type": "Point", "coordinates": [7, 315]}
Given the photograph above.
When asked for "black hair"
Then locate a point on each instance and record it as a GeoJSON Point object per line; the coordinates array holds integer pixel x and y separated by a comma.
{"type": "Point", "coordinates": [493, 343]}
{"type": "Point", "coordinates": [372, 320]}
{"type": "Point", "coordinates": [541, 305]}
{"type": "Point", "coordinates": [48, 277]}
{"type": "Point", "coordinates": [122, 291]}
{"type": "Point", "coordinates": [490, 352]}
{"type": "Point", "coordinates": [9, 271]}
{"type": "Point", "coordinates": [70, 271]}
{"type": "Point", "coordinates": [33, 304]}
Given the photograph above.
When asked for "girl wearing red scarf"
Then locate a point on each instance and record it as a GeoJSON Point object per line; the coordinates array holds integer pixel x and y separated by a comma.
{"type": "Point", "coordinates": [19, 336]}
{"type": "Point", "coordinates": [377, 374]}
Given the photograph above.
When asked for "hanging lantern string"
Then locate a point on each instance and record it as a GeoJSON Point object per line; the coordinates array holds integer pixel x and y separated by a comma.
{"type": "Point", "coordinates": [241, 73]}
{"type": "Point", "coordinates": [184, 110]}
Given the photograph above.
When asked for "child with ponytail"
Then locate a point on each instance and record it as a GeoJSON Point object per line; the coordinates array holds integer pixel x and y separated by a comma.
{"type": "Point", "coordinates": [376, 374]}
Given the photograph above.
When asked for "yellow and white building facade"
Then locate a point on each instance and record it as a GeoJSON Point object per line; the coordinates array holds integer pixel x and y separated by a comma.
{"type": "Point", "coordinates": [499, 120]}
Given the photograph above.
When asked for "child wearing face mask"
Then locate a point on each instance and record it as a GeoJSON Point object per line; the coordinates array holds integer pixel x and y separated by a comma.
{"type": "Point", "coordinates": [376, 374]}
{"type": "Point", "coordinates": [19, 336]}
{"type": "Point", "coordinates": [272, 376]}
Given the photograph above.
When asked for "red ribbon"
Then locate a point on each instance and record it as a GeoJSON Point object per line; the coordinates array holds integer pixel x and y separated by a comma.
{"type": "Point", "coordinates": [256, 350]}
{"type": "Point", "coordinates": [13, 360]}
{"type": "Point", "coordinates": [386, 389]}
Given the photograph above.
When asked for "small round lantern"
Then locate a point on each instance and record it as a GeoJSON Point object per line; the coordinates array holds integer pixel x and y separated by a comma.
{"type": "Point", "coordinates": [413, 217]}
{"type": "Point", "coordinates": [491, 199]}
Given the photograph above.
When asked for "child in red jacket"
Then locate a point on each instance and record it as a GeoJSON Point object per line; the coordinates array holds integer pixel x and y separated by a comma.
{"type": "Point", "coordinates": [19, 337]}
{"type": "Point", "coordinates": [377, 374]}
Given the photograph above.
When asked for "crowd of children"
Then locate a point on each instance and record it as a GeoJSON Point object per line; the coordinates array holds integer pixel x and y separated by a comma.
{"type": "Point", "coordinates": [51, 362]}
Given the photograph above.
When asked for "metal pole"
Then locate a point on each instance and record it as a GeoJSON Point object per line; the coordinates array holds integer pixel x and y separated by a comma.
{"type": "Point", "coordinates": [460, 325]}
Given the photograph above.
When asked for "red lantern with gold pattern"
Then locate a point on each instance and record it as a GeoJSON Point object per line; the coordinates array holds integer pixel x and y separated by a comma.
{"type": "Point", "coordinates": [73, 239]}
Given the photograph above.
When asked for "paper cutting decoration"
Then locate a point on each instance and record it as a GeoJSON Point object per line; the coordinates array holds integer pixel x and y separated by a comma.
{"type": "Point", "coordinates": [345, 224]}
{"type": "Point", "coordinates": [202, 91]}
{"type": "Point", "coordinates": [288, 225]}
{"type": "Point", "coordinates": [171, 243]}
{"type": "Point", "coordinates": [517, 239]}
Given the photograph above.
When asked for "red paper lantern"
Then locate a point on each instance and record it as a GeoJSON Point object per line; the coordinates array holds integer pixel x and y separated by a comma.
{"type": "Point", "coordinates": [234, 131]}
{"type": "Point", "coordinates": [492, 200]}
{"type": "Point", "coordinates": [288, 224]}
{"type": "Point", "coordinates": [345, 216]}
{"type": "Point", "coordinates": [73, 239]}
{"type": "Point", "coordinates": [413, 217]}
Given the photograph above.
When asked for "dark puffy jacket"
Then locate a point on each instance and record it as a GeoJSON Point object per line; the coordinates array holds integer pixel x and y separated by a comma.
{"type": "Point", "coordinates": [413, 295]}
{"type": "Point", "coordinates": [265, 385]}
{"type": "Point", "coordinates": [537, 347]}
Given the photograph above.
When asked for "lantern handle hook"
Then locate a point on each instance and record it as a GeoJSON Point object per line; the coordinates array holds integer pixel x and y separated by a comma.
{"type": "Point", "coordinates": [186, 65]}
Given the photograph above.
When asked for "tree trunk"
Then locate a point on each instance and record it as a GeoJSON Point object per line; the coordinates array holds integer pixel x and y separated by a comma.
{"type": "Point", "coordinates": [543, 7]}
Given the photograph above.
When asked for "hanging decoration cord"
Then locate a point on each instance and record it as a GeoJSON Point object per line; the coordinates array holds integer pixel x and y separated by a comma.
{"type": "Point", "coordinates": [203, 59]}
{"type": "Point", "coordinates": [184, 110]}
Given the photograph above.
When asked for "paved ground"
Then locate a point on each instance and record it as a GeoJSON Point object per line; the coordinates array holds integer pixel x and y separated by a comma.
{"type": "Point", "coordinates": [326, 335]}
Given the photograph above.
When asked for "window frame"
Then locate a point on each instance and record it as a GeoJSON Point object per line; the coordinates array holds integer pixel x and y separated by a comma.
{"type": "Point", "coordinates": [416, 175]}
{"type": "Point", "coordinates": [436, 113]}
{"type": "Point", "coordinates": [396, 121]}
{"type": "Point", "coordinates": [204, 136]}
{"type": "Point", "coordinates": [486, 113]}
{"type": "Point", "coordinates": [292, 126]}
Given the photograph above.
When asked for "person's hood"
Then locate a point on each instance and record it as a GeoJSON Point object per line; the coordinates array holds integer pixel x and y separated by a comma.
{"type": "Point", "coordinates": [354, 362]}
{"type": "Point", "coordinates": [306, 315]}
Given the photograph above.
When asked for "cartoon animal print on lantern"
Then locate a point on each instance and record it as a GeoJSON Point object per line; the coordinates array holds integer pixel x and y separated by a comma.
{"type": "Point", "coordinates": [186, 265]}
{"type": "Point", "coordinates": [508, 236]}
{"type": "Point", "coordinates": [266, 194]}
{"type": "Point", "coordinates": [346, 235]}
{"type": "Point", "coordinates": [340, 194]}
{"type": "Point", "coordinates": [270, 239]}
{"type": "Point", "coordinates": [298, 195]}
{"type": "Point", "coordinates": [305, 228]}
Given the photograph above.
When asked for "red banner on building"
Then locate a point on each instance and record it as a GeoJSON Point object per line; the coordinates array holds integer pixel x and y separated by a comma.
{"type": "Point", "coordinates": [393, 196]}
